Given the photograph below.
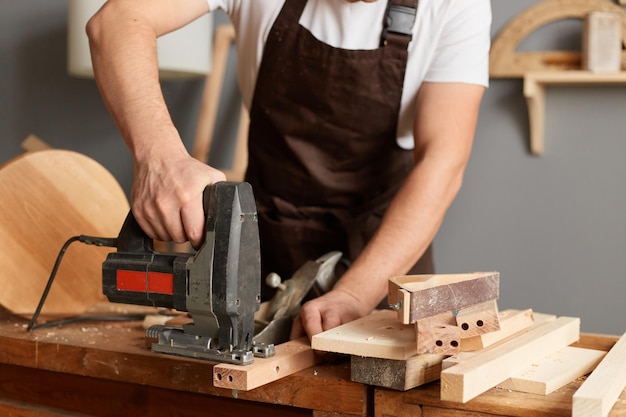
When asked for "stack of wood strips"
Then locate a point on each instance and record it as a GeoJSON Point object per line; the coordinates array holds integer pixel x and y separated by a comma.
{"type": "Point", "coordinates": [448, 327]}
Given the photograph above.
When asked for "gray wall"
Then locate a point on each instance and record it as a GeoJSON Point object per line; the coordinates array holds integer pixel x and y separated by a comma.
{"type": "Point", "coordinates": [552, 225]}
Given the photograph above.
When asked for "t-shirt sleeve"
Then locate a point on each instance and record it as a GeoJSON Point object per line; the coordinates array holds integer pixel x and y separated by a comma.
{"type": "Point", "coordinates": [462, 51]}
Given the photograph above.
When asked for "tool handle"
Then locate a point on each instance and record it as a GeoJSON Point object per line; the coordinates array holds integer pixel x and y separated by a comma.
{"type": "Point", "coordinates": [133, 239]}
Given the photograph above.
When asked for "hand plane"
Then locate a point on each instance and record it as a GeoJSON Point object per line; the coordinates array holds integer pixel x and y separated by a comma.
{"type": "Point", "coordinates": [219, 285]}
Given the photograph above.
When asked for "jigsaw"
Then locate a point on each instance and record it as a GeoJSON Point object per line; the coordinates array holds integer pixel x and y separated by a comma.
{"type": "Point", "coordinates": [219, 285]}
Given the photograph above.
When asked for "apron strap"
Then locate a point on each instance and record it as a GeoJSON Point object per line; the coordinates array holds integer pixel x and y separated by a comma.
{"type": "Point", "coordinates": [398, 23]}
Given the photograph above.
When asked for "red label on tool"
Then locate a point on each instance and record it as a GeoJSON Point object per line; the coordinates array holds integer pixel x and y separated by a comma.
{"type": "Point", "coordinates": [161, 283]}
{"type": "Point", "coordinates": [131, 280]}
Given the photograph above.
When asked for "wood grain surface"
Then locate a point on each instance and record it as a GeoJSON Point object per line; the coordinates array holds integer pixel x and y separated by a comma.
{"type": "Point", "coordinates": [48, 197]}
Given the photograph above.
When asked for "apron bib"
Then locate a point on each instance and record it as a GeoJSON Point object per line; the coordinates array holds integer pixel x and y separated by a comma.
{"type": "Point", "coordinates": [323, 158]}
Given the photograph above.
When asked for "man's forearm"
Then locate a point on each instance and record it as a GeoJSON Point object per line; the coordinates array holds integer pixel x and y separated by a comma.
{"type": "Point", "coordinates": [408, 227]}
{"type": "Point", "coordinates": [123, 48]}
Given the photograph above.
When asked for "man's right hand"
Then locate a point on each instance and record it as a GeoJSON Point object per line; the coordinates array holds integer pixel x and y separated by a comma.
{"type": "Point", "coordinates": [167, 197]}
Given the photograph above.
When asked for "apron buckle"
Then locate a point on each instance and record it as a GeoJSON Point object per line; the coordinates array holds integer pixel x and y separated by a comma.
{"type": "Point", "coordinates": [399, 20]}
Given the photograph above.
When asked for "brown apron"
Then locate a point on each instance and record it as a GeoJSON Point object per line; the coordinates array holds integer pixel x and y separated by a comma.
{"type": "Point", "coordinates": [324, 163]}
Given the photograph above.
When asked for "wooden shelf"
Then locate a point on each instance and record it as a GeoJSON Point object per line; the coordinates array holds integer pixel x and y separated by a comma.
{"type": "Point", "coordinates": [534, 91]}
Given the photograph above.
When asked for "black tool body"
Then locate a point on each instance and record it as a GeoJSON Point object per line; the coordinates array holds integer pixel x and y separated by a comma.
{"type": "Point", "coordinates": [219, 285]}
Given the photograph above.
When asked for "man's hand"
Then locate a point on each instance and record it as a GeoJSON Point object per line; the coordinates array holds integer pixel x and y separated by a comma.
{"type": "Point", "coordinates": [167, 197]}
{"type": "Point", "coordinates": [326, 312]}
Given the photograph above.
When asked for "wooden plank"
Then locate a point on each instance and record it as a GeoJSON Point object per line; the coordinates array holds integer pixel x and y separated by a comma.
{"type": "Point", "coordinates": [446, 412]}
{"type": "Point", "coordinates": [599, 392]}
{"type": "Point", "coordinates": [478, 319]}
{"type": "Point", "coordinates": [399, 375]}
{"type": "Point", "coordinates": [378, 335]}
{"type": "Point", "coordinates": [19, 409]}
{"type": "Point", "coordinates": [438, 334]}
{"type": "Point", "coordinates": [486, 369]}
{"type": "Point", "coordinates": [510, 403]}
{"type": "Point", "coordinates": [433, 294]}
{"type": "Point", "coordinates": [538, 320]}
{"type": "Point", "coordinates": [554, 371]}
{"type": "Point", "coordinates": [291, 357]}
{"type": "Point", "coordinates": [511, 322]}
{"type": "Point", "coordinates": [391, 404]}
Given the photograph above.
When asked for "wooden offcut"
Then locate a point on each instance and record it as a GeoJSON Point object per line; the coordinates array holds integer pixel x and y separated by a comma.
{"type": "Point", "coordinates": [438, 334]}
{"type": "Point", "coordinates": [485, 370]}
{"type": "Point", "coordinates": [421, 296]}
{"type": "Point", "coordinates": [602, 42]}
{"type": "Point", "coordinates": [511, 322]}
{"type": "Point", "coordinates": [598, 393]}
{"type": "Point", "coordinates": [396, 374]}
{"type": "Point", "coordinates": [291, 357]}
{"type": "Point", "coordinates": [478, 319]}
{"type": "Point", "coordinates": [377, 335]}
{"type": "Point", "coordinates": [49, 196]}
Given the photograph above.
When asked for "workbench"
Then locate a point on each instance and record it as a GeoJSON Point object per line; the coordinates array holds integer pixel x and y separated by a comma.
{"type": "Point", "coordinates": [104, 369]}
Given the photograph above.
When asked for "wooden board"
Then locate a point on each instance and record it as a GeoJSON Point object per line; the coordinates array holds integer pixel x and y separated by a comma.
{"type": "Point", "coordinates": [438, 334]}
{"type": "Point", "coordinates": [291, 357]}
{"type": "Point", "coordinates": [598, 393]}
{"type": "Point", "coordinates": [478, 319]}
{"type": "Point", "coordinates": [554, 371]}
{"type": "Point", "coordinates": [49, 196]}
{"type": "Point", "coordinates": [486, 369]}
{"type": "Point", "coordinates": [420, 296]}
{"type": "Point", "coordinates": [511, 323]}
{"type": "Point", "coordinates": [378, 335]}
{"type": "Point", "coordinates": [399, 375]}
{"type": "Point", "coordinates": [539, 320]}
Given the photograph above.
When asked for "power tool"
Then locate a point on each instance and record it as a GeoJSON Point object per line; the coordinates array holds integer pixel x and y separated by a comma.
{"type": "Point", "coordinates": [219, 284]}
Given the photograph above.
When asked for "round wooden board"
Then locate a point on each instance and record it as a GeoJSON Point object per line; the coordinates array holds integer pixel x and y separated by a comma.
{"type": "Point", "coordinates": [48, 197]}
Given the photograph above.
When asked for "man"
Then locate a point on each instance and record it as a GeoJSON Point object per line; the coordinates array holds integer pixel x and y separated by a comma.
{"type": "Point", "coordinates": [359, 135]}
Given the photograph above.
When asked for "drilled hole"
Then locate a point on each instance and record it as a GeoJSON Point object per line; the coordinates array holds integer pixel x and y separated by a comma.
{"type": "Point", "coordinates": [230, 378]}
{"type": "Point", "coordinates": [464, 326]}
{"type": "Point", "coordinates": [439, 343]}
{"type": "Point", "coordinates": [277, 369]}
{"type": "Point", "coordinates": [219, 377]}
{"type": "Point", "coordinates": [479, 323]}
{"type": "Point", "coordinates": [454, 343]}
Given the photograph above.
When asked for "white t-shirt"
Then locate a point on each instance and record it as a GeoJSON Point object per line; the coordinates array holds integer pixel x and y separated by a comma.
{"type": "Point", "coordinates": [451, 40]}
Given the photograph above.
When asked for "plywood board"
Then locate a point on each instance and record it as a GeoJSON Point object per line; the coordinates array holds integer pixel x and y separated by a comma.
{"type": "Point", "coordinates": [554, 371]}
{"type": "Point", "coordinates": [49, 196]}
{"type": "Point", "coordinates": [291, 357]}
{"type": "Point", "coordinates": [486, 369]}
{"type": "Point", "coordinates": [598, 393]}
{"type": "Point", "coordinates": [421, 296]}
{"type": "Point", "coordinates": [378, 335]}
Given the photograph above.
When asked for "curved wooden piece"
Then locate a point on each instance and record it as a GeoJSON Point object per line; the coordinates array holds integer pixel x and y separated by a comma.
{"type": "Point", "coordinates": [506, 62]}
{"type": "Point", "coordinates": [49, 196]}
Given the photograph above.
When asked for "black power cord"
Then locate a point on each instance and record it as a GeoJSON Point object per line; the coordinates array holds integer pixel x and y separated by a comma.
{"type": "Point", "coordinates": [88, 240]}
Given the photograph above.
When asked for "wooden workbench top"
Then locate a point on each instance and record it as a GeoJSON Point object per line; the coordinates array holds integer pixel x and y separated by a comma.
{"type": "Point", "coordinates": [116, 351]}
